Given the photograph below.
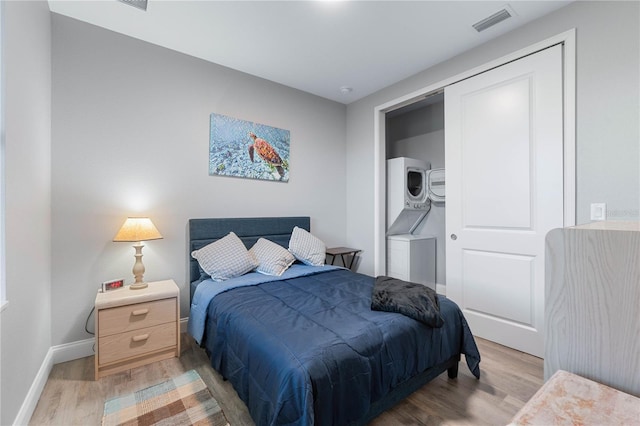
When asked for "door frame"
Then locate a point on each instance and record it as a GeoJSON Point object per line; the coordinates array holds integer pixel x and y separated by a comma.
{"type": "Point", "coordinates": [568, 40]}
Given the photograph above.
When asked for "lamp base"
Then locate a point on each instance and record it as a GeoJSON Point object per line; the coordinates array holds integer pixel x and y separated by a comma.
{"type": "Point", "coordinates": [138, 286]}
{"type": "Point", "coordinates": [138, 268]}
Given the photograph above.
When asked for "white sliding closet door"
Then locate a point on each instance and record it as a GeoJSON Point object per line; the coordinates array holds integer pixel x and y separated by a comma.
{"type": "Point", "coordinates": [504, 171]}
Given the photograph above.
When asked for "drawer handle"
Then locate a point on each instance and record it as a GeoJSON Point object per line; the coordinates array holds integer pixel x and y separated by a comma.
{"type": "Point", "coordinates": [140, 337]}
{"type": "Point", "coordinates": [140, 312]}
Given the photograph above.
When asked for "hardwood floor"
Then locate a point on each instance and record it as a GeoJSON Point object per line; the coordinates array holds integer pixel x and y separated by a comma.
{"type": "Point", "coordinates": [508, 379]}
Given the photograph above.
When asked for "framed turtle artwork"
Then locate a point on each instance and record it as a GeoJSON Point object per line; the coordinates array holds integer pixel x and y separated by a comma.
{"type": "Point", "coordinates": [240, 148]}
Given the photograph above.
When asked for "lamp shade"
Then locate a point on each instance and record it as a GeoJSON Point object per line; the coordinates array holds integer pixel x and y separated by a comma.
{"type": "Point", "coordinates": [137, 229]}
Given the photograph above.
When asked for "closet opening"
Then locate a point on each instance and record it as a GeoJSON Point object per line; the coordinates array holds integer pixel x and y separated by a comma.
{"type": "Point", "coordinates": [414, 225]}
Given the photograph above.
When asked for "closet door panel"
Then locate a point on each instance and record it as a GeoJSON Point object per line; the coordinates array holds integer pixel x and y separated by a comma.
{"type": "Point", "coordinates": [490, 199]}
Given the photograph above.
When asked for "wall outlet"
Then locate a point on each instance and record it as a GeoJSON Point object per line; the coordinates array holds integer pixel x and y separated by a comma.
{"type": "Point", "coordinates": [598, 211]}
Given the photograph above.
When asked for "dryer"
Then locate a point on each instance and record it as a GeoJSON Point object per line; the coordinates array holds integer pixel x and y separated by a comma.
{"type": "Point", "coordinates": [407, 194]}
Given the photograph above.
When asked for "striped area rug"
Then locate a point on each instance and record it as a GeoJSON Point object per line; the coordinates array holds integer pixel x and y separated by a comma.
{"type": "Point", "coordinates": [185, 400]}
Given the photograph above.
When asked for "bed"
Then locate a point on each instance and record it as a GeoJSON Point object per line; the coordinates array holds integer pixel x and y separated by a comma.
{"type": "Point", "coordinates": [306, 348]}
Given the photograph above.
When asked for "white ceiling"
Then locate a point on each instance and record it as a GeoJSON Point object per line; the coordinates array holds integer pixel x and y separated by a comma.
{"type": "Point", "coordinates": [314, 46]}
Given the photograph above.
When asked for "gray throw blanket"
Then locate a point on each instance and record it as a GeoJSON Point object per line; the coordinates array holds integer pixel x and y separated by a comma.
{"type": "Point", "coordinates": [410, 299]}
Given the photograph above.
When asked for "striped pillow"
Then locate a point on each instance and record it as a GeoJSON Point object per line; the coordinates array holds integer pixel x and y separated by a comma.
{"type": "Point", "coordinates": [273, 259]}
{"type": "Point", "coordinates": [306, 248]}
{"type": "Point", "coordinates": [225, 258]}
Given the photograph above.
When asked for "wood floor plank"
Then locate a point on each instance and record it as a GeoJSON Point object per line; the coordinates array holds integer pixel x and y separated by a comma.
{"type": "Point", "coordinates": [508, 379]}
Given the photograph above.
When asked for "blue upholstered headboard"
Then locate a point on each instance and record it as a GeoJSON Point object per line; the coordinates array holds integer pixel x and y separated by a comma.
{"type": "Point", "coordinates": [249, 229]}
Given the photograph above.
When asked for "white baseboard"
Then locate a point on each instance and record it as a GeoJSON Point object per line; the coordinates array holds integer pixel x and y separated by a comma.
{"type": "Point", "coordinates": [56, 355]}
{"type": "Point", "coordinates": [31, 400]}
{"type": "Point", "coordinates": [74, 350]}
{"type": "Point", "coordinates": [441, 289]}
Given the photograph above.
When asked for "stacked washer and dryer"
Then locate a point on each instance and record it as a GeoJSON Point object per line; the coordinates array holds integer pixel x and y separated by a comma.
{"type": "Point", "coordinates": [410, 257]}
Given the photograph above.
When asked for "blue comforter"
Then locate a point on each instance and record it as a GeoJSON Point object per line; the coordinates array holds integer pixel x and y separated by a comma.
{"type": "Point", "coordinates": [310, 349]}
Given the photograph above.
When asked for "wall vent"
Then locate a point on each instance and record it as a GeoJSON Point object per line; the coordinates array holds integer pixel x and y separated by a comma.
{"type": "Point", "coordinates": [140, 4]}
{"type": "Point", "coordinates": [497, 17]}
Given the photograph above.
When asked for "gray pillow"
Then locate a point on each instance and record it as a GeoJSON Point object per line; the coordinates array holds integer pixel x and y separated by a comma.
{"type": "Point", "coordinates": [225, 258]}
{"type": "Point", "coordinates": [306, 248]}
{"type": "Point", "coordinates": [273, 259]}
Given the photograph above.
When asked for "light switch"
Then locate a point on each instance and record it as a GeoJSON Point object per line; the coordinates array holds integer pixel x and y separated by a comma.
{"type": "Point", "coordinates": [598, 211]}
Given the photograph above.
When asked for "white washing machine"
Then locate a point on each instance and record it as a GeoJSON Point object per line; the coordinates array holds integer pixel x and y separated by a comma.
{"type": "Point", "coordinates": [407, 194]}
{"type": "Point", "coordinates": [412, 258]}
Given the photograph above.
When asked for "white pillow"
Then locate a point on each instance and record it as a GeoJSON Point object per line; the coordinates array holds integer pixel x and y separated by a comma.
{"type": "Point", "coordinates": [273, 259]}
{"type": "Point", "coordinates": [306, 248]}
{"type": "Point", "coordinates": [225, 258]}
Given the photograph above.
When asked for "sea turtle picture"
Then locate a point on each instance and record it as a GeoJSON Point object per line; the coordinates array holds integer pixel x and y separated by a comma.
{"type": "Point", "coordinates": [231, 139]}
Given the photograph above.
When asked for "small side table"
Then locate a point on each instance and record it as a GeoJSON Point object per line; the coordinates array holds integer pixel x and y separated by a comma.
{"type": "Point", "coordinates": [342, 251]}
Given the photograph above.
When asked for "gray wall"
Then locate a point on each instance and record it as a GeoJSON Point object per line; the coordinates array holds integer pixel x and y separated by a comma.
{"type": "Point", "coordinates": [607, 125]}
{"type": "Point", "coordinates": [131, 136]}
{"type": "Point", "coordinates": [26, 321]}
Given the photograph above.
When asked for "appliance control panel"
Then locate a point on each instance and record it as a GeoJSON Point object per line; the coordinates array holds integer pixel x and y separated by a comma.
{"type": "Point", "coordinates": [416, 206]}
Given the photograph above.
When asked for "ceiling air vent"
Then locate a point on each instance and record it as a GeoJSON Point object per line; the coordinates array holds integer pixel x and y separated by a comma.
{"type": "Point", "coordinates": [497, 17]}
{"type": "Point", "coordinates": [140, 4]}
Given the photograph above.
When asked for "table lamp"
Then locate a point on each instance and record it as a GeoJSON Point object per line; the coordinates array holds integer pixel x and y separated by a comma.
{"type": "Point", "coordinates": [137, 229]}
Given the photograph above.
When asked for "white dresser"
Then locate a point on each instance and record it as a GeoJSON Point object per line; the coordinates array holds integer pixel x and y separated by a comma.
{"type": "Point", "coordinates": [412, 258]}
{"type": "Point", "coordinates": [592, 303]}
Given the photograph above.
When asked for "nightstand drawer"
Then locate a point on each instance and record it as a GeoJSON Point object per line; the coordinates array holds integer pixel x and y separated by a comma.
{"type": "Point", "coordinates": [127, 345]}
{"type": "Point", "coordinates": [136, 316]}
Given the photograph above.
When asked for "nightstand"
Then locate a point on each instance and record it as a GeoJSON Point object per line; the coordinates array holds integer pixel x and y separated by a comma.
{"type": "Point", "coordinates": [136, 327]}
